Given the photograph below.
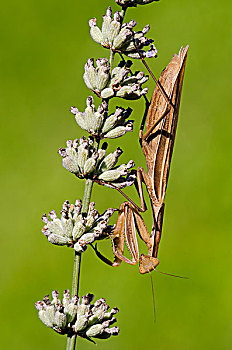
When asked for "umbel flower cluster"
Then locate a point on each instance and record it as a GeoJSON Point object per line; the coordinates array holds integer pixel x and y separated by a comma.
{"type": "Point", "coordinates": [99, 124]}
{"type": "Point", "coordinates": [120, 37]}
{"type": "Point", "coordinates": [118, 84]}
{"type": "Point", "coordinates": [83, 160]}
{"type": "Point", "coordinates": [75, 230]}
{"type": "Point", "coordinates": [75, 316]}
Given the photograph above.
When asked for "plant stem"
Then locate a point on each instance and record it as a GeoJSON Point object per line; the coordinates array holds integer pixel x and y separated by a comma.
{"type": "Point", "coordinates": [87, 196]}
{"type": "Point", "coordinates": [71, 341]}
{"type": "Point", "coordinates": [76, 274]}
{"type": "Point", "coordinates": [112, 54]}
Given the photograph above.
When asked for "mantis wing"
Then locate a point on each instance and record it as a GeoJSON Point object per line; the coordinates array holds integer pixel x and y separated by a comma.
{"type": "Point", "coordinates": [158, 145]}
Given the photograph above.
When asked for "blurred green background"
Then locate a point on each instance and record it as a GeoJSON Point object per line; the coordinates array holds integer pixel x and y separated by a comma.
{"type": "Point", "coordinates": [44, 46]}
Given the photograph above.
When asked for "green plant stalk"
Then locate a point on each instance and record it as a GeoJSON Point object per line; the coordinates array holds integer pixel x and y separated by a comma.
{"type": "Point", "coordinates": [111, 62]}
{"type": "Point", "coordinates": [71, 341]}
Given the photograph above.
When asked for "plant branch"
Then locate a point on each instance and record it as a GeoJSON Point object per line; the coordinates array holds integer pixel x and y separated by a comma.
{"type": "Point", "coordinates": [71, 341]}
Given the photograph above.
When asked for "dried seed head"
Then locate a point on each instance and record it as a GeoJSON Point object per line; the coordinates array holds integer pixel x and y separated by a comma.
{"type": "Point", "coordinates": [124, 85]}
{"type": "Point", "coordinates": [75, 317]}
{"type": "Point", "coordinates": [75, 230]}
{"type": "Point", "coordinates": [99, 123]}
{"type": "Point", "coordinates": [120, 37]}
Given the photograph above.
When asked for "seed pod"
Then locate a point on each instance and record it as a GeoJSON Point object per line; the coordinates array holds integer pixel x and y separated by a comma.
{"type": "Point", "coordinates": [45, 319]}
{"type": "Point", "coordinates": [84, 307]}
{"type": "Point", "coordinates": [110, 161]}
{"type": "Point", "coordinates": [55, 296]}
{"type": "Point", "coordinates": [56, 227]}
{"type": "Point", "coordinates": [83, 153]}
{"type": "Point", "coordinates": [95, 31]}
{"type": "Point", "coordinates": [87, 238]}
{"type": "Point", "coordinates": [57, 239]}
{"type": "Point", "coordinates": [115, 27]}
{"type": "Point", "coordinates": [89, 111]}
{"type": "Point", "coordinates": [91, 217]}
{"type": "Point", "coordinates": [108, 315]}
{"type": "Point", "coordinates": [119, 131]}
{"type": "Point", "coordinates": [71, 164]}
{"type": "Point", "coordinates": [94, 330]}
{"type": "Point", "coordinates": [66, 298]}
{"type": "Point", "coordinates": [101, 154]}
{"type": "Point", "coordinates": [112, 120]}
{"type": "Point", "coordinates": [124, 35]}
{"type": "Point", "coordinates": [90, 164]}
{"type": "Point", "coordinates": [124, 92]}
{"type": "Point", "coordinates": [107, 93]}
{"type": "Point", "coordinates": [81, 323]}
{"type": "Point", "coordinates": [97, 122]}
{"type": "Point", "coordinates": [110, 175]}
{"type": "Point", "coordinates": [70, 311]}
{"type": "Point", "coordinates": [60, 319]}
{"type": "Point", "coordinates": [50, 312]}
{"type": "Point", "coordinates": [103, 78]}
{"type": "Point", "coordinates": [79, 229]}
{"type": "Point", "coordinates": [80, 119]}
{"type": "Point", "coordinates": [119, 75]}
{"type": "Point", "coordinates": [92, 73]}
{"type": "Point", "coordinates": [108, 332]}
{"type": "Point", "coordinates": [106, 25]}
{"type": "Point", "coordinates": [99, 313]}
{"type": "Point", "coordinates": [77, 209]}
{"type": "Point", "coordinates": [67, 225]}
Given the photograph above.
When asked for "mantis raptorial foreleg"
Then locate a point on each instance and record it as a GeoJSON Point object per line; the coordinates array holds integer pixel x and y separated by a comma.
{"type": "Point", "coordinates": [128, 220]}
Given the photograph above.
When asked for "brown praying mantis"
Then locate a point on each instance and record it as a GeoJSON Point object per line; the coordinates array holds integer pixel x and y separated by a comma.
{"type": "Point", "coordinates": [157, 142]}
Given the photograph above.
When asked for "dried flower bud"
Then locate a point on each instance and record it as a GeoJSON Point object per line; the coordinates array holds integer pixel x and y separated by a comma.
{"type": "Point", "coordinates": [90, 164]}
{"type": "Point", "coordinates": [125, 86]}
{"type": "Point", "coordinates": [110, 161]}
{"type": "Point", "coordinates": [97, 78]}
{"type": "Point", "coordinates": [119, 131]}
{"type": "Point", "coordinates": [75, 230]}
{"type": "Point", "coordinates": [119, 84]}
{"type": "Point", "coordinates": [122, 182]}
{"type": "Point", "coordinates": [115, 27]}
{"type": "Point", "coordinates": [120, 37]}
{"type": "Point", "coordinates": [99, 123]}
{"type": "Point", "coordinates": [72, 316]}
{"type": "Point", "coordinates": [95, 31]}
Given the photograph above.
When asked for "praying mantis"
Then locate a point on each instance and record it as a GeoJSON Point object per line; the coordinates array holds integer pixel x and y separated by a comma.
{"type": "Point", "coordinates": [157, 142]}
